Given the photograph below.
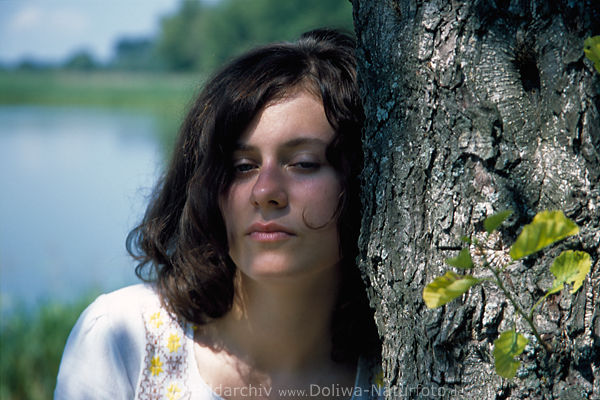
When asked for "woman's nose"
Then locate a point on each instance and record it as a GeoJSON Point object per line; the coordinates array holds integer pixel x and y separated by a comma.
{"type": "Point", "coordinates": [269, 189]}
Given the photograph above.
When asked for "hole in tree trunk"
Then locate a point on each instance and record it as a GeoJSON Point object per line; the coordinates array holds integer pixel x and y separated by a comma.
{"type": "Point", "coordinates": [525, 62]}
{"type": "Point", "coordinates": [502, 4]}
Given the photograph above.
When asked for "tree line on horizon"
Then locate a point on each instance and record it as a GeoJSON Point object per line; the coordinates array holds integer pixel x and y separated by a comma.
{"type": "Point", "coordinates": [201, 36]}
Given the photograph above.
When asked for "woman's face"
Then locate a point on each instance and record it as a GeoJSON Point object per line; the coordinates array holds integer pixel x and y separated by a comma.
{"type": "Point", "coordinates": [279, 210]}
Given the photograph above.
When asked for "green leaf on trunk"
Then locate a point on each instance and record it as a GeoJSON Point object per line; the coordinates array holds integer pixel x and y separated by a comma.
{"type": "Point", "coordinates": [591, 48]}
{"type": "Point", "coordinates": [508, 345]}
{"type": "Point", "coordinates": [547, 227]}
{"type": "Point", "coordinates": [570, 267]}
{"type": "Point", "coordinates": [463, 260]}
{"type": "Point", "coordinates": [446, 288]}
{"type": "Point", "coordinates": [492, 222]}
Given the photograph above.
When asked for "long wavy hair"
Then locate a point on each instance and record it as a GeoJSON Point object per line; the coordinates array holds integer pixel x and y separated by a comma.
{"type": "Point", "coordinates": [181, 243]}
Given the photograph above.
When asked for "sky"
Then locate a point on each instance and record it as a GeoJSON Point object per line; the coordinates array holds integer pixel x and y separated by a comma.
{"type": "Point", "coordinates": [51, 30]}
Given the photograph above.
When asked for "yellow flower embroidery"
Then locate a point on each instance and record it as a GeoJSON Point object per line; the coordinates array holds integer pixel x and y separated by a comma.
{"type": "Point", "coordinates": [173, 392]}
{"type": "Point", "coordinates": [155, 366]}
{"type": "Point", "coordinates": [378, 380]}
{"type": "Point", "coordinates": [173, 343]}
{"type": "Point", "coordinates": [156, 320]}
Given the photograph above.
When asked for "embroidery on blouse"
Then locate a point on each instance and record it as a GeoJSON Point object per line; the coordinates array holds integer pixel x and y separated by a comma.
{"type": "Point", "coordinates": [377, 383]}
{"type": "Point", "coordinates": [165, 362]}
{"type": "Point", "coordinates": [374, 388]}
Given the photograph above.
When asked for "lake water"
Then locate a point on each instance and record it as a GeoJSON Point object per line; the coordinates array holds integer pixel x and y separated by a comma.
{"type": "Point", "coordinates": [73, 182]}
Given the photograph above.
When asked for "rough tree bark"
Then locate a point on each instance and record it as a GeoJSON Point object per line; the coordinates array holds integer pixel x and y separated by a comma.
{"type": "Point", "coordinates": [474, 107]}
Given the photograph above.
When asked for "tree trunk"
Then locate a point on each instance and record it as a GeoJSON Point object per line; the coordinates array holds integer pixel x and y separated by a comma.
{"type": "Point", "coordinates": [475, 107]}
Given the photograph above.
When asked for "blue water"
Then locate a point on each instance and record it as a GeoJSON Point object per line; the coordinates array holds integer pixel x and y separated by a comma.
{"type": "Point", "coordinates": [73, 182]}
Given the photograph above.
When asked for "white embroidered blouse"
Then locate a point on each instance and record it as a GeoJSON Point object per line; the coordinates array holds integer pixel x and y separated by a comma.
{"type": "Point", "coordinates": [125, 345]}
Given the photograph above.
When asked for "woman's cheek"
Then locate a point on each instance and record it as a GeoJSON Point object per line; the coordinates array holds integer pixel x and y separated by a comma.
{"type": "Point", "coordinates": [322, 202]}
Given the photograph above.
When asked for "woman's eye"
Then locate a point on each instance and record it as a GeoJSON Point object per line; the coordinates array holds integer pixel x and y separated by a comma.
{"type": "Point", "coordinates": [243, 167]}
{"type": "Point", "coordinates": [306, 165]}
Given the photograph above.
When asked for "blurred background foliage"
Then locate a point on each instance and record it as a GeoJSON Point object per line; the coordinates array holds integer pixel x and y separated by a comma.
{"type": "Point", "coordinates": [158, 75]}
{"type": "Point", "coordinates": [201, 36]}
{"type": "Point", "coordinates": [219, 31]}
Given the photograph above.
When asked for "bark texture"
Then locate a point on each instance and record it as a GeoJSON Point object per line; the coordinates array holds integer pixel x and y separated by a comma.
{"type": "Point", "coordinates": [474, 107]}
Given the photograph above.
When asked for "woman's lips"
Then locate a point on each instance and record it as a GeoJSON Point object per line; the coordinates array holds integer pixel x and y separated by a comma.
{"type": "Point", "coordinates": [269, 236]}
{"type": "Point", "coordinates": [269, 232]}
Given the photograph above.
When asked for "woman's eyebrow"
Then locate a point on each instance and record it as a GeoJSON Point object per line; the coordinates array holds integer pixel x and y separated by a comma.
{"type": "Point", "coordinates": [243, 147]}
{"type": "Point", "coordinates": [302, 141]}
{"type": "Point", "coordinates": [292, 143]}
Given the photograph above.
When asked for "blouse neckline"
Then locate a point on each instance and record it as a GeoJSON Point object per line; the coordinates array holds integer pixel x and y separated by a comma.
{"type": "Point", "coordinates": [197, 381]}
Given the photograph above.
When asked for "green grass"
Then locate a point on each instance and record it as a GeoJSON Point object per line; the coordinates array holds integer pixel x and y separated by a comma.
{"type": "Point", "coordinates": [31, 346]}
{"type": "Point", "coordinates": [165, 95]}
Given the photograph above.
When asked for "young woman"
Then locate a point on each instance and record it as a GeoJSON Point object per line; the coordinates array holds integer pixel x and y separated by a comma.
{"type": "Point", "coordinates": [247, 248]}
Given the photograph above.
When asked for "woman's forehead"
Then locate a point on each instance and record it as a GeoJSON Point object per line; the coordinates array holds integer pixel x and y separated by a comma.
{"type": "Point", "coordinates": [298, 119]}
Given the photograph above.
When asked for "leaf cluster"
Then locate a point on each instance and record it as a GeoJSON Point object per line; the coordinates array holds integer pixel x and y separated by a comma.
{"type": "Point", "coordinates": [569, 268]}
{"type": "Point", "coordinates": [591, 48]}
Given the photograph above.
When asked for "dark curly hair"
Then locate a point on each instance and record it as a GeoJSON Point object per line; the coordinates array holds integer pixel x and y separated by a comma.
{"type": "Point", "coordinates": [181, 243]}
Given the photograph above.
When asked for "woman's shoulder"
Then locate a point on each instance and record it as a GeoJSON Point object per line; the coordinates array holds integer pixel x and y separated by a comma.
{"type": "Point", "coordinates": [121, 308]}
{"type": "Point", "coordinates": [118, 319]}
{"type": "Point", "coordinates": [117, 309]}
{"type": "Point", "coordinates": [107, 344]}
{"type": "Point", "coordinates": [128, 299]}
